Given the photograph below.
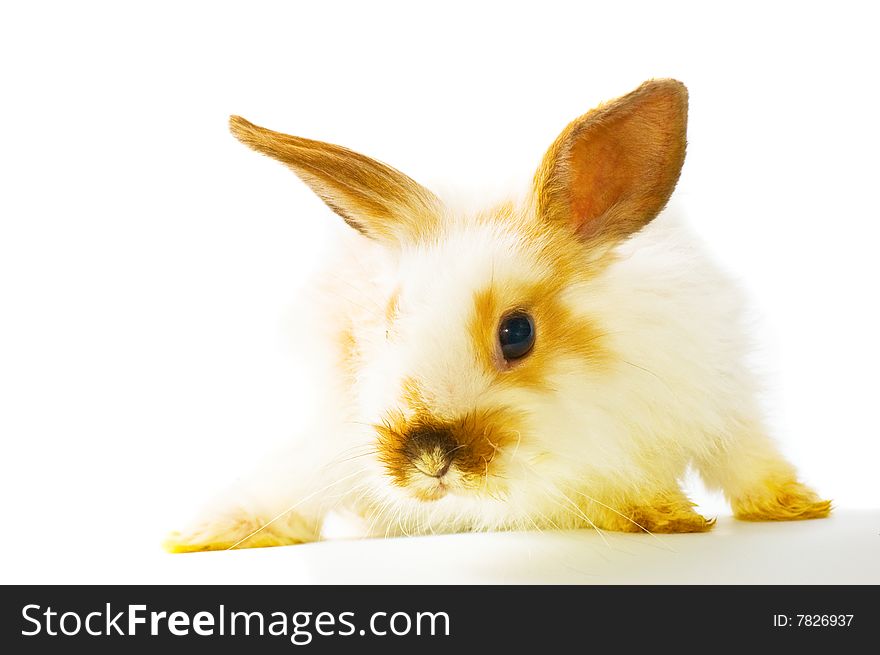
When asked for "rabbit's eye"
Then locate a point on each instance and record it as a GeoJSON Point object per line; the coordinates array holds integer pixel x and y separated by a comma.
{"type": "Point", "coordinates": [516, 334]}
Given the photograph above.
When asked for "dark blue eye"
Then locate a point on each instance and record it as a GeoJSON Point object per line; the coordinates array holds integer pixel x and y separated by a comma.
{"type": "Point", "coordinates": [516, 334]}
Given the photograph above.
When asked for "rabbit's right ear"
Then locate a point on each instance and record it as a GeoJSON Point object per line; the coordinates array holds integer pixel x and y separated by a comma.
{"type": "Point", "coordinates": [375, 199]}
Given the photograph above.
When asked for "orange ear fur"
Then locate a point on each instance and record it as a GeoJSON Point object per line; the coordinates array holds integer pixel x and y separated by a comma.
{"type": "Point", "coordinates": [375, 199]}
{"type": "Point", "coordinates": [612, 170]}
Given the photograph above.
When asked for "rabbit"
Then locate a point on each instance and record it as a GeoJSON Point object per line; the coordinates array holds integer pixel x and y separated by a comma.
{"type": "Point", "coordinates": [555, 362]}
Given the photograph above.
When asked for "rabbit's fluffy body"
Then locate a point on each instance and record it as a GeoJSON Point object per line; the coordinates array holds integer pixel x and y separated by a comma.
{"type": "Point", "coordinates": [637, 371]}
{"type": "Point", "coordinates": [663, 384]}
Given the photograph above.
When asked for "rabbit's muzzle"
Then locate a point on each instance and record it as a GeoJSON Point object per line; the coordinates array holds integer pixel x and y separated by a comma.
{"type": "Point", "coordinates": [431, 457]}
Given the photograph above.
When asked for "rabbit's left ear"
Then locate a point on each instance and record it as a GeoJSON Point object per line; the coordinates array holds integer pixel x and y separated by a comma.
{"type": "Point", "coordinates": [612, 170]}
{"type": "Point", "coordinates": [375, 199]}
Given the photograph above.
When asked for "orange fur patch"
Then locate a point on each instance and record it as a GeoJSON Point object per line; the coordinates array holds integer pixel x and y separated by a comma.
{"type": "Point", "coordinates": [557, 332]}
{"type": "Point", "coordinates": [392, 307]}
{"type": "Point", "coordinates": [348, 349]}
{"type": "Point", "coordinates": [476, 440]}
{"type": "Point", "coordinates": [242, 532]}
{"type": "Point", "coordinates": [669, 512]}
{"type": "Point", "coordinates": [780, 500]}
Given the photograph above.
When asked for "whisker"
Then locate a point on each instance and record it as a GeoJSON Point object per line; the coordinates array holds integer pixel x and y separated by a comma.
{"type": "Point", "coordinates": [518, 440]}
{"type": "Point", "coordinates": [353, 288]}
{"type": "Point", "coordinates": [400, 523]}
{"type": "Point", "coordinates": [348, 459]}
{"type": "Point", "coordinates": [380, 513]}
{"type": "Point", "coordinates": [352, 449]}
{"type": "Point", "coordinates": [561, 559]}
{"type": "Point", "coordinates": [549, 520]}
{"type": "Point", "coordinates": [650, 372]}
{"type": "Point", "coordinates": [622, 515]}
{"type": "Point", "coordinates": [364, 423]}
{"type": "Point", "coordinates": [581, 513]}
{"type": "Point", "coordinates": [536, 526]}
{"type": "Point", "coordinates": [293, 507]}
{"type": "Point", "coordinates": [366, 488]}
{"type": "Point", "coordinates": [369, 310]}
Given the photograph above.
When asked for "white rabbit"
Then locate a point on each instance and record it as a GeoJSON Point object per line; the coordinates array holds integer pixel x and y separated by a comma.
{"type": "Point", "coordinates": [553, 363]}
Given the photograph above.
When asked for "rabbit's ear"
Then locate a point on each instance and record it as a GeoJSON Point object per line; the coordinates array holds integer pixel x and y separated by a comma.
{"type": "Point", "coordinates": [612, 170]}
{"type": "Point", "coordinates": [375, 199]}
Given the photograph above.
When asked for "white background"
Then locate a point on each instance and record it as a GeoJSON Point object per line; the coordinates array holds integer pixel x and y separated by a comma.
{"type": "Point", "coordinates": [147, 259]}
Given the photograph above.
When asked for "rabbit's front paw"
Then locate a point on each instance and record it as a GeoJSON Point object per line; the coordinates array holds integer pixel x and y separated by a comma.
{"type": "Point", "coordinates": [240, 529]}
{"type": "Point", "coordinates": [666, 513]}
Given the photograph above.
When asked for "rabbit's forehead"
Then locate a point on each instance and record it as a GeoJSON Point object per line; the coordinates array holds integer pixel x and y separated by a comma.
{"type": "Point", "coordinates": [463, 261]}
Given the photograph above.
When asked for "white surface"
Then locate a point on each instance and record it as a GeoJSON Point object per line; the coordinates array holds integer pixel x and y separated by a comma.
{"type": "Point", "coordinates": [844, 549]}
{"type": "Point", "coordinates": [147, 259]}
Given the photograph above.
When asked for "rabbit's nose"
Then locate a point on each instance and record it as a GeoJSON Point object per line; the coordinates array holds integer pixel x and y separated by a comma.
{"type": "Point", "coordinates": [433, 466]}
{"type": "Point", "coordinates": [431, 450]}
